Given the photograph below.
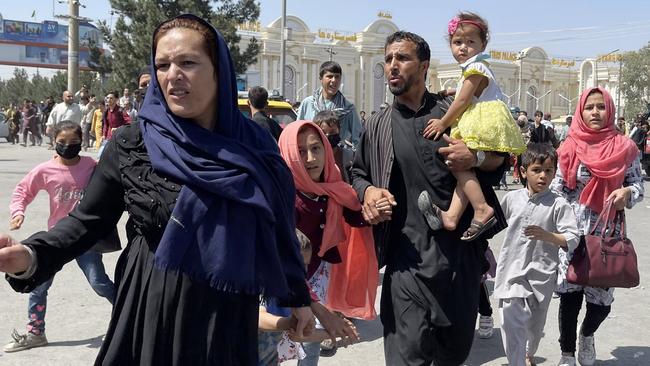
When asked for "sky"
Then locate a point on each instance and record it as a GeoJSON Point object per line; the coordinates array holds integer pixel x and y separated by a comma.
{"type": "Point", "coordinates": [563, 28]}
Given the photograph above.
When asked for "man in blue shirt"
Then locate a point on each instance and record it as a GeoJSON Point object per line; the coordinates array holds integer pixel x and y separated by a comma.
{"type": "Point", "coordinates": [329, 97]}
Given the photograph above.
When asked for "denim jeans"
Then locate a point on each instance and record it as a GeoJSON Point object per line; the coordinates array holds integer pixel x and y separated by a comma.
{"type": "Point", "coordinates": [93, 268]}
{"type": "Point", "coordinates": [312, 351]}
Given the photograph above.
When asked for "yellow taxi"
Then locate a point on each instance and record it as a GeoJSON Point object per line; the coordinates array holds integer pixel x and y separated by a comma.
{"type": "Point", "coordinates": [280, 111]}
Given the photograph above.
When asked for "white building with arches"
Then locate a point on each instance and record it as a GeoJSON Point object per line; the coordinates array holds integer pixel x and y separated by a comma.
{"type": "Point", "coordinates": [360, 54]}
{"type": "Point", "coordinates": [531, 81]}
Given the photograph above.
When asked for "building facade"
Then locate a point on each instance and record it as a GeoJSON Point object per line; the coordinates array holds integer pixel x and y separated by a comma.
{"type": "Point", "coordinates": [360, 54]}
{"type": "Point", "coordinates": [530, 79]}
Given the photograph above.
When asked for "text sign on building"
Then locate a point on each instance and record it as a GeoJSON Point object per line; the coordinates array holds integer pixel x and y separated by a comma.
{"type": "Point", "coordinates": [43, 44]}
{"type": "Point", "coordinates": [503, 55]}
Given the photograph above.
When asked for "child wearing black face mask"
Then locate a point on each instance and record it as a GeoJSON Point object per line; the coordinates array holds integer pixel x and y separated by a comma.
{"type": "Point", "coordinates": [64, 178]}
{"type": "Point", "coordinates": [329, 123]}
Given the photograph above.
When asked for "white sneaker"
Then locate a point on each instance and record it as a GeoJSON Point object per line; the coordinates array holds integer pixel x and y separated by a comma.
{"type": "Point", "coordinates": [25, 341]}
{"type": "Point", "coordinates": [586, 350]}
{"type": "Point", "coordinates": [567, 361]}
{"type": "Point", "coordinates": [485, 327]}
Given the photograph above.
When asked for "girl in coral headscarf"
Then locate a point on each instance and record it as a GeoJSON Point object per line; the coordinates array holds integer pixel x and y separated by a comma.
{"type": "Point", "coordinates": [328, 211]}
{"type": "Point", "coordinates": [596, 165]}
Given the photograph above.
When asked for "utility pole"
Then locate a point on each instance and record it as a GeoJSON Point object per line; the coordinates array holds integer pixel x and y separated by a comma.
{"type": "Point", "coordinates": [73, 46]}
{"type": "Point", "coordinates": [331, 51]}
{"type": "Point", "coordinates": [520, 58]}
{"type": "Point", "coordinates": [73, 43]}
{"type": "Point", "coordinates": [283, 47]}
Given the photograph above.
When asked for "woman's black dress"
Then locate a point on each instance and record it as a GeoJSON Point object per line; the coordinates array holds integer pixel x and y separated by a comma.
{"type": "Point", "coordinates": [159, 317]}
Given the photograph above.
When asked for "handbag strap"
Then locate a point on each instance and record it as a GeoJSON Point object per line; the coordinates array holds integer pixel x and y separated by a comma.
{"type": "Point", "coordinates": [620, 217]}
{"type": "Point", "coordinates": [603, 218]}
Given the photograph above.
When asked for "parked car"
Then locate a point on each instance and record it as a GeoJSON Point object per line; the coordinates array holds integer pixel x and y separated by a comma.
{"type": "Point", "coordinates": [280, 111]}
{"type": "Point", "coordinates": [4, 126]}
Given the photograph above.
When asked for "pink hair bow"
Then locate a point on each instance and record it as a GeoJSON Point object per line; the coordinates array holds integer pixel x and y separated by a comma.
{"type": "Point", "coordinates": [453, 25]}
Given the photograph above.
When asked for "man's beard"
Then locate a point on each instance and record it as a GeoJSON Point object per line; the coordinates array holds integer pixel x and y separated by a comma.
{"type": "Point", "coordinates": [399, 90]}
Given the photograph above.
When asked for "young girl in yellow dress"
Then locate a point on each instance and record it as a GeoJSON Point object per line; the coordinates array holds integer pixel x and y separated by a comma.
{"type": "Point", "coordinates": [480, 118]}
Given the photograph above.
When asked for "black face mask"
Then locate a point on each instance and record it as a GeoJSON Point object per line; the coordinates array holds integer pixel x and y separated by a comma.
{"type": "Point", "coordinates": [68, 151]}
{"type": "Point", "coordinates": [334, 139]}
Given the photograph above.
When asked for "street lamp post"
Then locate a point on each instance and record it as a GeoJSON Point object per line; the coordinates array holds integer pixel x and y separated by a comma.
{"type": "Point", "coordinates": [568, 100]}
{"type": "Point", "coordinates": [298, 92]}
{"type": "Point", "coordinates": [510, 97]}
{"type": "Point", "coordinates": [283, 47]}
{"type": "Point", "coordinates": [520, 58]}
{"type": "Point", "coordinates": [330, 51]}
{"type": "Point", "coordinates": [596, 64]}
{"type": "Point", "coordinates": [538, 98]}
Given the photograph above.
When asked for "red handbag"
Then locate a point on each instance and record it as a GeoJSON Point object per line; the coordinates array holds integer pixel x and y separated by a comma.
{"type": "Point", "coordinates": [605, 261]}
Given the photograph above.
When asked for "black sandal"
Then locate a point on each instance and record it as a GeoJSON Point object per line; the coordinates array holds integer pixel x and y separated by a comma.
{"type": "Point", "coordinates": [476, 228]}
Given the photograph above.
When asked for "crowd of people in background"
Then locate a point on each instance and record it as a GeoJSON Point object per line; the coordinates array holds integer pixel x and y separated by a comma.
{"type": "Point", "coordinates": [334, 196]}
{"type": "Point", "coordinates": [30, 121]}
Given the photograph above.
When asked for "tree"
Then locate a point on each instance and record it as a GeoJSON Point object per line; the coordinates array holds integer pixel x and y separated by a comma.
{"type": "Point", "coordinates": [130, 40]}
{"type": "Point", "coordinates": [635, 82]}
{"type": "Point", "coordinates": [18, 87]}
{"type": "Point", "coordinates": [99, 62]}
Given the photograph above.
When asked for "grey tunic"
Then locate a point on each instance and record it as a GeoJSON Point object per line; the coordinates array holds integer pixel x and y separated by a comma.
{"type": "Point", "coordinates": [529, 267]}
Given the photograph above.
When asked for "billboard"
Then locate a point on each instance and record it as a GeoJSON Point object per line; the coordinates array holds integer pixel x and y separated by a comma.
{"type": "Point", "coordinates": [43, 44]}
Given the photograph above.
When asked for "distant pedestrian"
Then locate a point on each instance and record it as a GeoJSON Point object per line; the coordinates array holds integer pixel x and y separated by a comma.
{"type": "Point", "coordinates": [541, 133]}
{"type": "Point", "coordinates": [562, 131]}
{"type": "Point", "coordinates": [88, 104]}
{"type": "Point", "coordinates": [329, 123]}
{"type": "Point", "coordinates": [30, 125]}
{"type": "Point", "coordinates": [126, 97]}
{"type": "Point", "coordinates": [258, 99]}
{"type": "Point", "coordinates": [621, 126]}
{"type": "Point", "coordinates": [114, 117]}
{"type": "Point", "coordinates": [64, 178]}
{"type": "Point", "coordinates": [96, 124]}
{"type": "Point", "coordinates": [13, 119]}
{"type": "Point", "coordinates": [329, 97]}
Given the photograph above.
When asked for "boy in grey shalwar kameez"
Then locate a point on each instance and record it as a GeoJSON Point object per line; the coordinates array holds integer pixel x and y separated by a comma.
{"type": "Point", "coordinates": [539, 223]}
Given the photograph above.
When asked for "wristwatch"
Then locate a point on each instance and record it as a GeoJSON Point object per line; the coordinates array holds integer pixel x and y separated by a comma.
{"type": "Point", "coordinates": [480, 158]}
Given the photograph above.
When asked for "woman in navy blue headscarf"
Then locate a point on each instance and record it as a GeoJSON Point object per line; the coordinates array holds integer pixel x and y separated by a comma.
{"type": "Point", "coordinates": [211, 225]}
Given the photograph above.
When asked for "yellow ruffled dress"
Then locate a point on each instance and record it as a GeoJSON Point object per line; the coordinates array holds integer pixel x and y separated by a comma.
{"type": "Point", "coordinates": [487, 123]}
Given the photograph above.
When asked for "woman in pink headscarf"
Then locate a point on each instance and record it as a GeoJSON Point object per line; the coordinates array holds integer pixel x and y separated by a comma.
{"type": "Point", "coordinates": [328, 212]}
{"type": "Point", "coordinates": [596, 165]}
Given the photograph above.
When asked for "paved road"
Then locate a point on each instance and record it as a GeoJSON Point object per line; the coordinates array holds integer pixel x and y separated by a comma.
{"type": "Point", "coordinates": [77, 318]}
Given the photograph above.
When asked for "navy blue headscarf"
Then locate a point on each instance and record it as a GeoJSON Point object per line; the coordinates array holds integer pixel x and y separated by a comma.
{"type": "Point", "coordinates": [233, 223]}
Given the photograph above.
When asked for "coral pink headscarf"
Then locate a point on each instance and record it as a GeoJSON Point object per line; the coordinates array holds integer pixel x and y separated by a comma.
{"type": "Point", "coordinates": [353, 283]}
{"type": "Point", "coordinates": [606, 153]}
{"type": "Point", "coordinates": [340, 193]}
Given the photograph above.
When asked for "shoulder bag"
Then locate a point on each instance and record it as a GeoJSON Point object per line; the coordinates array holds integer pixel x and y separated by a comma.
{"type": "Point", "coordinates": [604, 260]}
